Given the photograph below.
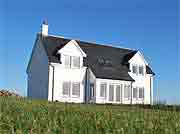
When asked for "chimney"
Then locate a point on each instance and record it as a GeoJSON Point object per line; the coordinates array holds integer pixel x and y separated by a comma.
{"type": "Point", "coordinates": [44, 28]}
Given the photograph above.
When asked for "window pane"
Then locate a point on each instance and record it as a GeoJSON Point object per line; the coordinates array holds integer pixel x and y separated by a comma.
{"type": "Point", "coordinates": [76, 62]}
{"type": "Point", "coordinates": [103, 90]}
{"type": "Point", "coordinates": [141, 92]}
{"type": "Point", "coordinates": [76, 89]}
{"type": "Point", "coordinates": [127, 91]}
{"type": "Point", "coordinates": [141, 70]}
{"type": "Point", "coordinates": [111, 92]}
{"type": "Point", "coordinates": [67, 61]}
{"type": "Point", "coordinates": [135, 93]}
{"type": "Point", "coordinates": [66, 88]}
{"type": "Point", "coordinates": [134, 68]}
{"type": "Point", "coordinates": [92, 92]}
{"type": "Point", "coordinates": [118, 92]}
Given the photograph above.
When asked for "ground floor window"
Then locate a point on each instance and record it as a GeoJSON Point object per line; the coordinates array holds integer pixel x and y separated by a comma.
{"type": "Point", "coordinates": [135, 93]}
{"type": "Point", "coordinates": [111, 92]}
{"type": "Point", "coordinates": [66, 88]}
{"type": "Point", "coordinates": [141, 93]}
{"type": "Point", "coordinates": [71, 89]}
{"type": "Point", "coordinates": [92, 90]}
{"type": "Point", "coordinates": [118, 92]}
{"type": "Point", "coordinates": [76, 89]}
{"type": "Point", "coordinates": [138, 93]}
{"type": "Point", "coordinates": [127, 91]}
{"type": "Point", "coordinates": [103, 88]}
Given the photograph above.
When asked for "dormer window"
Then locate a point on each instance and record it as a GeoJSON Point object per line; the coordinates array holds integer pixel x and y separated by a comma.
{"type": "Point", "coordinates": [76, 62]}
{"type": "Point", "coordinates": [67, 61]}
{"type": "Point", "coordinates": [134, 69]}
{"type": "Point", "coordinates": [71, 61]}
{"type": "Point", "coordinates": [138, 69]}
{"type": "Point", "coordinates": [141, 70]}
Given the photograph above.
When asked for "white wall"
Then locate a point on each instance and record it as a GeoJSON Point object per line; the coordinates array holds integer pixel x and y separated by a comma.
{"type": "Point", "coordinates": [67, 74]}
{"type": "Point", "coordinates": [38, 73]}
{"type": "Point", "coordinates": [141, 80]}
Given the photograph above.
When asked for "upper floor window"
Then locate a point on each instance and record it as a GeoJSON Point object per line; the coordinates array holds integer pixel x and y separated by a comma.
{"type": "Point", "coordinates": [76, 62]}
{"type": "Point", "coordinates": [134, 69]}
{"type": "Point", "coordinates": [71, 61]}
{"type": "Point", "coordinates": [67, 61]}
{"type": "Point", "coordinates": [141, 70]}
{"type": "Point", "coordinates": [138, 69]}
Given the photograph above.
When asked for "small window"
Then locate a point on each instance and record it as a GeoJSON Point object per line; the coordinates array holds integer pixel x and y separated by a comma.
{"type": "Point", "coordinates": [103, 90]}
{"type": "Point", "coordinates": [111, 92]}
{"type": "Point", "coordinates": [141, 93]}
{"type": "Point", "coordinates": [135, 93]}
{"type": "Point", "coordinates": [141, 70]}
{"type": "Point", "coordinates": [134, 69]}
{"type": "Point", "coordinates": [92, 90]}
{"type": "Point", "coordinates": [66, 88]}
{"type": "Point", "coordinates": [76, 89]}
{"type": "Point", "coordinates": [67, 61]}
{"type": "Point", "coordinates": [76, 62]}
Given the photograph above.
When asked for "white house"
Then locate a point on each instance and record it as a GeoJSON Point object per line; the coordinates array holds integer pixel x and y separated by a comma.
{"type": "Point", "coordinates": [70, 70]}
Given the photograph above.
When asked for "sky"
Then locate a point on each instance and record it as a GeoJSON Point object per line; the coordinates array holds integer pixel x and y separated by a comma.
{"type": "Point", "coordinates": [150, 26]}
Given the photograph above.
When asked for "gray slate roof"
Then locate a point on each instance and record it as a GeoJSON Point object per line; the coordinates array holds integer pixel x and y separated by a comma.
{"type": "Point", "coordinates": [106, 62]}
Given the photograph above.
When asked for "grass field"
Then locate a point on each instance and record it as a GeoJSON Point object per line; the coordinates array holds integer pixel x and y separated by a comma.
{"type": "Point", "coordinates": [23, 116]}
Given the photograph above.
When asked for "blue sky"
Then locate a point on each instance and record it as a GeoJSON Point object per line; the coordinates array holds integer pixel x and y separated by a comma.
{"type": "Point", "coordinates": [150, 26]}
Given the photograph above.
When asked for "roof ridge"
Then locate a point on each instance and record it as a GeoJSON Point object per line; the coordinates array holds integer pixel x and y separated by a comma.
{"type": "Point", "coordinates": [105, 45]}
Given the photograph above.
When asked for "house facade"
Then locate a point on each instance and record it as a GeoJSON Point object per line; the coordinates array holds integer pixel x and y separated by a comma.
{"type": "Point", "coordinates": [67, 70]}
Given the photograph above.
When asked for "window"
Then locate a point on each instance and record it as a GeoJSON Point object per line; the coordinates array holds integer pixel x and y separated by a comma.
{"type": "Point", "coordinates": [134, 69]}
{"type": "Point", "coordinates": [127, 91]}
{"type": "Point", "coordinates": [66, 88]}
{"type": "Point", "coordinates": [76, 62]}
{"type": "Point", "coordinates": [135, 92]}
{"type": "Point", "coordinates": [111, 92]}
{"type": "Point", "coordinates": [141, 93]}
{"type": "Point", "coordinates": [141, 70]}
{"type": "Point", "coordinates": [67, 61]}
{"type": "Point", "coordinates": [118, 93]}
{"type": "Point", "coordinates": [76, 89]}
{"type": "Point", "coordinates": [103, 90]}
{"type": "Point", "coordinates": [71, 61]}
{"type": "Point", "coordinates": [92, 90]}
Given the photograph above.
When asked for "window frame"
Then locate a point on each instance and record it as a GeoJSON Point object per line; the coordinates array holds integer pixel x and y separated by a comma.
{"type": "Point", "coordinates": [69, 61]}
{"type": "Point", "coordinates": [134, 65]}
{"type": "Point", "coordinates": [141, 88]}
{"type": "Point", "coordinates": [120, 92]}
{"type": "Point", "coordinates": [137, 95]}
{"type": "Point", "coordinates": [69, 90]}
{"type": "Point", "coordinates": [105, 90]}
{"type": "Point", "coordinates": [112, 93]}
{"type": "Point", "coordinates": [74, 95]}
{"type": "Point", "coordinates": [141, 66]}
{"type": "Point", "coordinates": [72, 61]}
{"type": "Point", "coordinates": [127, 89]}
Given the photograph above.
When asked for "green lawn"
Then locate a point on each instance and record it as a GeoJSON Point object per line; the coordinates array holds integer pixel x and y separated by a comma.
{"type": "Point", "coordinates": [23, 116]}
